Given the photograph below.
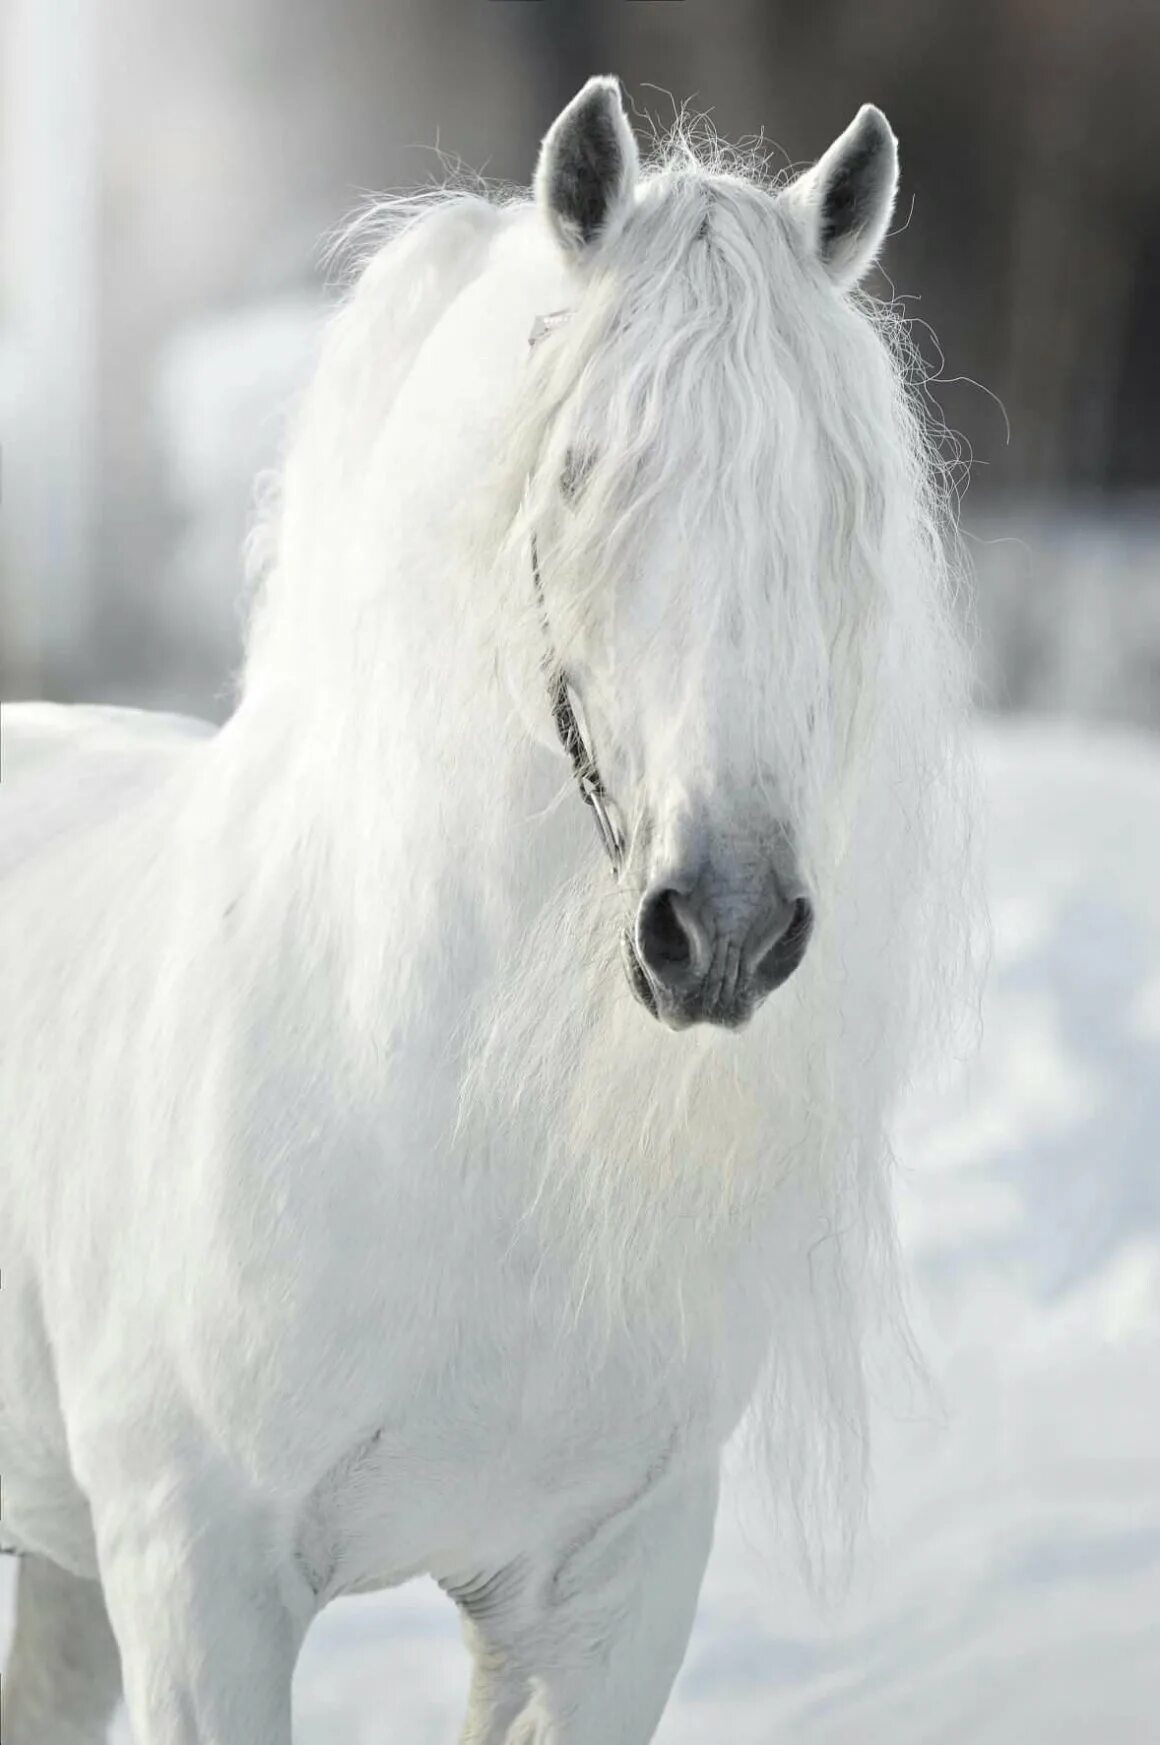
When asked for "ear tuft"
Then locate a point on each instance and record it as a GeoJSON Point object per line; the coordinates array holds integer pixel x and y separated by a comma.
{"type": "Point", "coordinates": [844, 202]}
{"type": "Point", "coordinates": [588, 166]}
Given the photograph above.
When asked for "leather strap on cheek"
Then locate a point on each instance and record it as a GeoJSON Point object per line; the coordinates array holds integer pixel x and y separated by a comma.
{"type": "Point", "coordinates": [584, 766]}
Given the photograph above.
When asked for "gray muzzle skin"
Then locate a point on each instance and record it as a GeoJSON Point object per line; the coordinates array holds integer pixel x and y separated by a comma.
{"type": "Point", "coordinates": [710, 953]}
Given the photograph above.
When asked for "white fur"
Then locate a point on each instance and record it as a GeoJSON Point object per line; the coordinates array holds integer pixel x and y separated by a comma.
{"type": "Point", "coordinates": [357, 1222]}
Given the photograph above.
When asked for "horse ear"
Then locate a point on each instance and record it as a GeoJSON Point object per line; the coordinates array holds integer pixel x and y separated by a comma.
{"type": "Point", "coordinates": [588, 166]}
{"type": "Point", "coordinates": [844, 202]}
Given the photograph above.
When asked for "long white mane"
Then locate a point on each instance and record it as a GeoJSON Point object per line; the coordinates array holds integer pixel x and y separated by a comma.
{"type": "Point", "coordinates": [700, 377]}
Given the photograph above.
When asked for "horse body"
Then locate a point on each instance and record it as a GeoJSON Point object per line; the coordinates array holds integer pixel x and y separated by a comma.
{"type": "Point", "coordinates": [402, 1395]}
{"type": "Point", "coordinates": [358, 1221]}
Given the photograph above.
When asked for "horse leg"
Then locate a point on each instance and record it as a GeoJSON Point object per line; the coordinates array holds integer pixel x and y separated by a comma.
{"type": "Point", "coordinates": [63, 1676]}
{"type": "Point", "coordinates": [587, 1654]}
{"type": "Point", "coordinates": [208, 1619]}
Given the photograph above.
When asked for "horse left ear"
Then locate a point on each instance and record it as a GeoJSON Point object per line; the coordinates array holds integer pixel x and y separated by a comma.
{"type": "Point", "coordinates": [588, 166]}
{"type": "Point", "coordinates": [844, 202]}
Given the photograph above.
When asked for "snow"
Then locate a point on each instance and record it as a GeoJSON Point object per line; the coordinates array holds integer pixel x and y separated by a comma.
{"type": "Point", "coordinates": [1009, 1589]}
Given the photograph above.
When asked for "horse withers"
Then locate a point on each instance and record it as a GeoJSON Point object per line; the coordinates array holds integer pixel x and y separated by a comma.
{"type": "Point", "coordinates": [400, 1175]}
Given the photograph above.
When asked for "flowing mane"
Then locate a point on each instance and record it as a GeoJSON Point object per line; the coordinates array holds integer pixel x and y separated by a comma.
{"type": "Point", "coordinates": [687, 361]}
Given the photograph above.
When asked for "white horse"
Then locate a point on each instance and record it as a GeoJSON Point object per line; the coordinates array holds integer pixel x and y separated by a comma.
{"type": "Point", "coordinates": [387, 1188]}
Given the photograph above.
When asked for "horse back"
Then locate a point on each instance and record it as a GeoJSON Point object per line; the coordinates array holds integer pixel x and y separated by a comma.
{"type": "Point", "coordinates": [65, 768]}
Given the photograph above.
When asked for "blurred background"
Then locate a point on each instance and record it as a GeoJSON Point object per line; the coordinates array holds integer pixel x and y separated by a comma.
{"type": "Point", "coordinates": [168, 172]}
{"type": "Point", "coordinates": [169, 167]}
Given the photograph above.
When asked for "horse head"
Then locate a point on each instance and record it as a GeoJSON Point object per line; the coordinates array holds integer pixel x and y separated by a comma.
{"type": "Point", "coordinates": [714, 439]}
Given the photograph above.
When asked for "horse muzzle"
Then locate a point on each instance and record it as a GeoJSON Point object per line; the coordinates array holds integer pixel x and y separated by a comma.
{"type": "Point", "coordinates": [709, 953]}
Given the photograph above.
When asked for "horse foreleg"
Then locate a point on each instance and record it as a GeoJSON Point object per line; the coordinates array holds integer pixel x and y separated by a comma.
{"type": "Point", "coordinates": [63, 1677]}
{"type": "Point", "coordinates": [585, 1652]}
{"type": "Point", "coordinates": [208, 1620]}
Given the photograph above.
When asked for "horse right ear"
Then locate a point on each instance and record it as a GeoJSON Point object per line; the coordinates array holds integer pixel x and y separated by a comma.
{"type": "Point", "coordinates": [844, 202]}
{"type": "Point", "coordinates": [588, 167]}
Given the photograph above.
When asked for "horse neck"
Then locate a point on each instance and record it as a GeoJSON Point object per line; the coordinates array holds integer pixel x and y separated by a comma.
{"type": "Point", "coordinates": [408, 794]}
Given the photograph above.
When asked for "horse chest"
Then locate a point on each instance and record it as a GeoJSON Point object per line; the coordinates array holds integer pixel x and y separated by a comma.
{"type": "Point", "coordinates": [505, 1461]}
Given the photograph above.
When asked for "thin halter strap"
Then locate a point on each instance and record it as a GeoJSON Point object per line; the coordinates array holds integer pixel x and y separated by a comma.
{"type": "Point", "coordinates": [584, 767]}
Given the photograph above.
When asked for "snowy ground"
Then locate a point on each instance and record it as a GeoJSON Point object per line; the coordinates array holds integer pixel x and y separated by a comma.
{"type": "Point", "coordinates": [1010, 1590]}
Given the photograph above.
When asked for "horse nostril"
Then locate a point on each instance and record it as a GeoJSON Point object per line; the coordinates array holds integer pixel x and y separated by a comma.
{"type": "Point", "coordinates": [801, 924]}
{"type": "Point", "coordinates": [781, 955]}
{"type": "Point", "coordinates": [665, 934]}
